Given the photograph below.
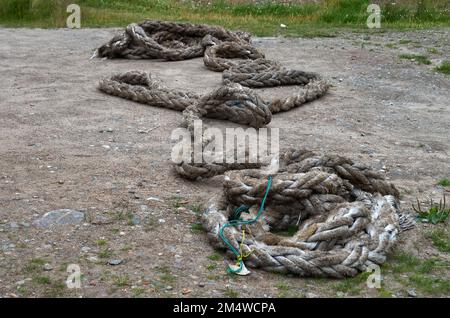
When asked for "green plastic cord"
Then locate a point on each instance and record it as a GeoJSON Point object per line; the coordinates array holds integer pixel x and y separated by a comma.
{"type": "Point", "coordinates": [237, 221]}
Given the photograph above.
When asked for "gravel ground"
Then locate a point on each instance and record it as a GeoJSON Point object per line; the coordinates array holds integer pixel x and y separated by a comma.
{"type": "Point", "coordinates": [65, 145]}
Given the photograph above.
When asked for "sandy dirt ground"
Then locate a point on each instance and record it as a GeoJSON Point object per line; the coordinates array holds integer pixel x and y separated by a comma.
{"type": "Point", "coordinates": [64, 144]}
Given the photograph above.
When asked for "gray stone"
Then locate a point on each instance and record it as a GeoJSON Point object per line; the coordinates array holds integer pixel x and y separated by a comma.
{"type": "Point", "coordinates": [136, 220]}
{"type": "Point", "coordinates": [47, 267]}
{"type": "Point", "coordinates": [14, 225]}
{"type": "Point", "coordinates": [60, 217]}
{"type": "Point", "coordinates": [115, 262]}
{"type": "Point", "coordinates": [412, 293]}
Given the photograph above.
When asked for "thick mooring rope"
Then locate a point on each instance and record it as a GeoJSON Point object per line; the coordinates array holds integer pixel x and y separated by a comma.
{"type": "Point", "coordinates": [346, 214]}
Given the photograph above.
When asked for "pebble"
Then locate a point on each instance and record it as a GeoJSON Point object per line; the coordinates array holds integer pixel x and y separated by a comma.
{"type": "Point", "coordinates": [162, 221]}
{"type": "Point", "coordinates": [154, 199]}
{"type": "Point", "coordinates": [181, 209]}
{"type": "Point", "coordinates": [115, 262]}
{"type": "Point", "coordinates": [136, 220]}
{"type": "Point", "coordinates": [311, 295]}
{"type": "Point", "coordinates": [412, 293]}
{"type": "Point", "coordinates": [186, 291]}
{"type": "Point", "coordinates": [92, 259]}
{"type": "Point", "coordinates": [201, 284]}
{"type": "Point", "coordinates": [14, 225]}
{"type": "Point", "coordinates": [85, 249]}
{"type": "Point", "coordinates": [169, 287]}
{"type": "Point", "coordinates": [60, 217]}
{"type": "Point", "coordinates": [47, 267]}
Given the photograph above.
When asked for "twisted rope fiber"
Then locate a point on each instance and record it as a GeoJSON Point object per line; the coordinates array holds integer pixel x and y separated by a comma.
{"type": "Point", "coordinates": [347, 215]}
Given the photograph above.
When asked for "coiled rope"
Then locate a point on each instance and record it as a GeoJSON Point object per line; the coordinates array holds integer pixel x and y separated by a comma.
{"type": "Point", "coordinates": [346, 215]}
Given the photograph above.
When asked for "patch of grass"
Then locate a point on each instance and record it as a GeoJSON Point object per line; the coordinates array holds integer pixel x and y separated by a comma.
{"type": "Point", "coordinates": [177, 201]}
{"type": "Point", "coordinates": [34, 265]}
{"type": "Point", "coordinates": [196, 228]}
{"type": "Point", "coordinates": [198, 208]}
{"type": "Point", "coordinates": [283, 288]}
{"type": "Point", "coordinates": [166, 274]}
{"type": "Point", "coordinates": [440, 239]}
{"type": "Point", "coordinates": [402, 262]}
{"type": "Point", "coordinates": [433, 50]}
{"type": "Point", "coordinates": [126, 248]}
{"type": "Point", "coordinates": [42, 280]}
{"type": "Point", "coordinates": [263, 19]}
{"type": "Point", "coordinates": [101, 242]}
{"type": "Point", "coordinates": [404, 41]}
{"type": "Point", "coordinates": [230, 293]}
{"type": "Point", "coordinates": [437, 213]}
{"type": "Point", "coordinates": [431, 285]}
{"type": "Point", "coordinates": [214, 256]}
{"type": "Point", "coordinates": [138, 292]}
{"type": "Point", "coordinates": [391, 46]}
{"type": "Point", "coordinates": [444, 68]}
{"type": "Point", "coordinates": [352, 286]}
{"type": "Point", "coordinates": [384, 293]}
{"type": "Point", "coordinates": [444, 182]}
{"type": "Point", "coordinates": [106, 253]}
{"type": "Point", "coordinates": [122, 281]}
{"type": "Point", "coordinates": [56, 289]}
{"type": "Point", "coordinates": [421, 59]}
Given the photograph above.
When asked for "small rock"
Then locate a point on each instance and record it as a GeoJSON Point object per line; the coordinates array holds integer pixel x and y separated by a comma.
{"type": "Point", "coordinates": [340, 294]}
{"type": "Point", "coordinates": [93, 259]}
{"type": "Point", "coordinates": [162, 221]}
{"type": "Point", "coordinates": [201, 284]}
{"type": "Point", "coordinates": [25, 224]}
{"type": "Point", "coordinates": [14, 225]}
{"type": "Point", "coordinates": [115, 262]}
{"type": "Point", "coordinates": [181, 209]}
{"type": "Point", "coordinates": [20, 282]}
{"type": "Point", "coordinates": [412, 293]}
{"type": "Point", "coordinates": [47, 267]}
{"type": "Point", "coordinates": [60, 217]}
{"type": "Point", "coordinates": [169, 287]}
{"type": "Point", "coordinates": [311, 295]}
{"type": "Point", "coordinates": [136, 220]}
{"type": "Point", "coordinates": [154, 199]}
{"type": "Point", "coordinates": [85, 249]}
{"type": "Point", "coordinates": [186, 291]}
{"type": "Point", "coordinates": [106, 146]}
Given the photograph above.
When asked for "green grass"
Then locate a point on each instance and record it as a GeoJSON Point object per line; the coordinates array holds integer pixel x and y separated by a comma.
{"type": "Point", "coordinates": [428, 276]}
{"type": "Point", "coordinates": [42, 280]}
{"type": "Point", "coordinates": [214, 257]}
{"type": "Point", "coordinates": [444, 68]}
{"type": "Point", "coordinates": [34, 265]}
{"type": "Point", "coordinates": [196, 228]}
{"type": "Point", "coordinates": [421, 59]}
{"type": "Point", "coordinates": [122, 281]}
{"type": "Point", "coordinates": [354, 285]}
{"type": "Point", "coordinates": [309, 19]}
{"type": "Point", "coordinates": [433, 50]}
{"type": "Point", "coordinates": [404, 41]}
{"type": "Point", "coordinates": [105, 253]}
{"type": "Point", "coordinates": [440, 239]}
{"type": "Point", "coordinates": [230, 293]}
{"type": "Point", "coordinates": [444, 182]}
{"type": "Point", "coordinates": [436, 213]}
